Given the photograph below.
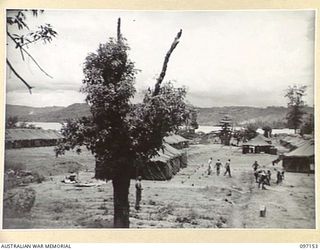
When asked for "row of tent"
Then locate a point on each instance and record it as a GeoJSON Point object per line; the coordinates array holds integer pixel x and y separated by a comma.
{"type": "Point", "coordinates": [299, 159]}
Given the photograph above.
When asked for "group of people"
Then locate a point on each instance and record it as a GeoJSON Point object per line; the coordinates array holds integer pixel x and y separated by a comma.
{"type": "Point", "coordinates": [218, 166]}
{"type": "Point", "coordinates": [263, 177]}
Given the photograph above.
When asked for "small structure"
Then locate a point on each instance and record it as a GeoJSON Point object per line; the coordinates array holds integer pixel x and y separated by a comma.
{"type": "Point", "coordinates": [176, 141]}
{"type": "Point", "coordinates": [163, 166]}
{"type": "Point", "coordinates": [263, 211]}
{"type": "Point", "coordinates": [259, 144]}
{"type": "Point", "coordinates": [175, 144]}
{"type": "Point", "coordinates": [301, 159]}
{"type": "Point", "coordinates": [293, 141]}
{"type": "Point", "coordinates": [24, 138]}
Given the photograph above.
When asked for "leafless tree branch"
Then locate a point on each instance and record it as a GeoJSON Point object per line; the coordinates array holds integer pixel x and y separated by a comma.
{"type": "Point", "coordinates": [32, 58]}
{"type": "Point", "coordinates": [165, 63]}
{"type": "Point", "coordinates": [119, 29]}
{"type": "Point", "coordinates": [15, 72]}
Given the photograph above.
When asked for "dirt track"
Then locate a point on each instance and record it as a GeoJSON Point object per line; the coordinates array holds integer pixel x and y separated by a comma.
{"type": "Point", "coordinates": [192, 199]}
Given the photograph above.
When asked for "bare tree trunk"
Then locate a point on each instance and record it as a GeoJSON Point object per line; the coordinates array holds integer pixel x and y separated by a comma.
{"type": "Point", "coordinates": [121, 186]}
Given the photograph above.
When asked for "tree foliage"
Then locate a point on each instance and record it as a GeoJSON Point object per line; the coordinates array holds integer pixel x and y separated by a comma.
{"type": "Point", "coordinates": [250, 131]}
{"type": "Point", "coordinates": [11, 122]}
{"type": "Point", "coordinates": [20, 34]}
{"type": "Point", "coordinates": [225, 131]}
{"type": "Point", "coordinates": [267, 130]}
{"type": "Point", "coordinates": [296, 104]}
{"type": "Point", "coordinates": [308, 125]}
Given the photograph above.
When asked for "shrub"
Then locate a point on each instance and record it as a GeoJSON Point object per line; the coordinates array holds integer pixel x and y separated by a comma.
{"type": "Point", "coordinates": [18, 202]}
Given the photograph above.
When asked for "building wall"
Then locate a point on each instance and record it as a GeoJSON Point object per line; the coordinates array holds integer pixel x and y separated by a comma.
{"type": "Point", "coordinates": [296, 164]}
{"type": "Point", "coordinates": [31, 143]}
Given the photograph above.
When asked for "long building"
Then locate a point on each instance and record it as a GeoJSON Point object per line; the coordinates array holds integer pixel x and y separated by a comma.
{"type": "Point", "coordinates": [25, 138]}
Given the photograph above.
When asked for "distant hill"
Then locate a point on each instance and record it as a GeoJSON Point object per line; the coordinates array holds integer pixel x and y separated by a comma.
{"type": "Point", "coordinates": [26, 112]}
{"type": "Point", "coordinates": [206, 116]}
{"type": "Point", "coordinates": [48, 114]}
{"type": "Point", "coordinates": [244, 114]}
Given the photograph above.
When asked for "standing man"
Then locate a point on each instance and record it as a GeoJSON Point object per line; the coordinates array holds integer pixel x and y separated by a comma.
{"type": "Point", "coordinates": [262, 179]}
{"type": "Point", "coordinates": [279, 177]}
{"type": "Point", "coordinates": [209, 166]}
{"type": "Point", "coordinates": [218, 165]}
{"type": "Point", "coordinates": [138, 192]}
{"type": "Point", "coordinates": [269, 177]}
{"type": "Point", "coordinates": [227, 166]}
{"type": "Point", "coordinates": [255, 166]}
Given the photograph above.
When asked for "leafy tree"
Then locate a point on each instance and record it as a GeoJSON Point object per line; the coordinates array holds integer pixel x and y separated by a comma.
{"type": "Point", "coordinates": [267, 131]}
{"type": "Point", "coordinates": [119, 134]}
{"type": "Point", "coordinates": [250, 131]}
{"type": "Point", "coordinates": [308, 125]}
{"type": "Point", "coordinates": [20, 34]}
{"type": "Point", "coordinates": [295, 105]}
{"type": "Point", "coordinates": [11, 122]}
{"type": "Point", "coordinates": [191, 117]}
{"type": "Point", "coordinates": [194, 116]}
{"type": "Point", "coordinates": [238, 135]}
{"type": "Point", "coordinates": [225, 132]}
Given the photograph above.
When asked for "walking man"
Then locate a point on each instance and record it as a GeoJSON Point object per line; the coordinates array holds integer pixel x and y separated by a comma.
{"type": "Point", "coordinates": [227, 166]}
{"type": "Point", "coordinates": [209, 166]}
{"type": "Point", "coordinates": [218, 165]}
{"type": "Point", "coordinates": [138, 193]}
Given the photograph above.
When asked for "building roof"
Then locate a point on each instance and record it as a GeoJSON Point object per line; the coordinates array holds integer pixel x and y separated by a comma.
{"type": "Point", "coordinates": [20, 134]}
{"type": "Point", "coordinates": [166, 154]}
{"type": "Point", "coordinates": [306, 150]}
{"type": "Point", "coordinates": [259, 140]}
{"type": "Point", "coordinates": [294, 140]}
{"type": "Point", "coordinates": [174, 139]}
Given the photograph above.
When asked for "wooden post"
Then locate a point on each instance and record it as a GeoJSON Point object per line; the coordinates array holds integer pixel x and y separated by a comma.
{"type": "Point", "coordinates": [263, 211]}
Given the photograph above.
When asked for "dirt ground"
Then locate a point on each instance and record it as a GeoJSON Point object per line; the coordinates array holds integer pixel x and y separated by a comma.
{"type": "Point", "coordinates": [192, 199]}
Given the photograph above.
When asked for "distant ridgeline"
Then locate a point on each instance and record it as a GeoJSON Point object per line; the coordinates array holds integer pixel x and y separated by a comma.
{"type": "Point", "coordinates": [272, 116]}
{"type": "Point", "coordinates": [48, 114]}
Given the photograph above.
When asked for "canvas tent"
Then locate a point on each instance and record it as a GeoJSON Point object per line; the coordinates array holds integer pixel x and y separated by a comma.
{"type": "Point", "coordinates": [176, 141]}
{"type": "Point", "coordinates": [180, 143]}
{"type": "Point", "coordinates": [292, 141]}
{"type": "Point", "coordinates": [301, 159]}
{"type": "Point", "coordinates": [257, 145]}
{"type": "Point", "coordinates": [21, 138]}
{"type": "Point", "coordinates": [163, 166]}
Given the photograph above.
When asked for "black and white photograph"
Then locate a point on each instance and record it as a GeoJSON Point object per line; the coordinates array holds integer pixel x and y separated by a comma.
{"type": "Point", "coordinates": [159, 119]}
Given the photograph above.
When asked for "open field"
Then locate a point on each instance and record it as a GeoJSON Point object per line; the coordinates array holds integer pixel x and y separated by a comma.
{"type": "Point", "coordinates": [192, 199]}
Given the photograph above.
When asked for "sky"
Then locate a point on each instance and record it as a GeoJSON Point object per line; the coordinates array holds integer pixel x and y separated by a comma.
{"type": "Point", "coordinates": [224, 58]}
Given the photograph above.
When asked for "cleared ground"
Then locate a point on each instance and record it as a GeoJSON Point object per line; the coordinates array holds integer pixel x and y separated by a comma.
{"type": "Point", "coordinates": [192, 199]}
